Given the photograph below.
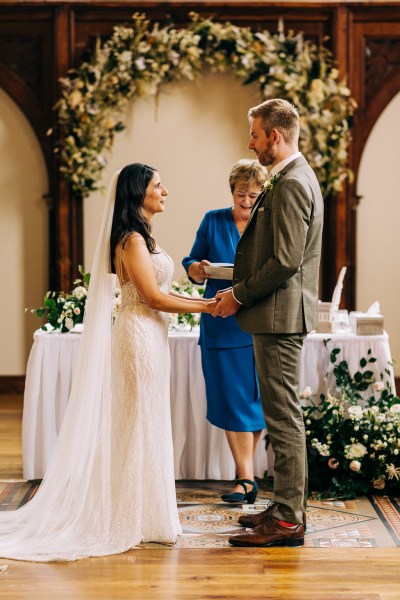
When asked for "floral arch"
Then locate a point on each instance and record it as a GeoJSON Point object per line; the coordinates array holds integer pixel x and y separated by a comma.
{"type": "Point", "coordinates": [138, 59]}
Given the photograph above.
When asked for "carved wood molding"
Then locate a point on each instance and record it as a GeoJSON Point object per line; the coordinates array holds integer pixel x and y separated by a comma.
{"type": "Point", "coordinates": [23, 55]}
{"type": "Point", "coordinates": [382, 58]}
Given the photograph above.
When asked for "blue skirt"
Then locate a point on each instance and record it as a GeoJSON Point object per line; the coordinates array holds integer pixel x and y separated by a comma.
{"type": "Point", "coordinates": [233, 397]}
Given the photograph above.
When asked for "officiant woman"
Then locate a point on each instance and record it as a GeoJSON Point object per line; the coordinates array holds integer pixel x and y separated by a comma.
{"type": "Point", "coordinates": [233, 399]}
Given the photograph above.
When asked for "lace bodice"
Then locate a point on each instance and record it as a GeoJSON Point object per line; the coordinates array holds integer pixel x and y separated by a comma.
{"type": "Point", "coordinates": [164, 269]}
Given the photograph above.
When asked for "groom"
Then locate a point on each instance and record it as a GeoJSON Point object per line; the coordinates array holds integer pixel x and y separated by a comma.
{"type": "Point", "coordinates": [275, 295]}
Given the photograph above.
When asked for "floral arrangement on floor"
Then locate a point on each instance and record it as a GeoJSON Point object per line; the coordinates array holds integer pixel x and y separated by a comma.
{"type": "Point", "coordinates": [186, 320]}
{"type": "Point", "coordinates": [138, 59]}
{"type": "Point", "coordinates": [64, 311]}
{"type": "Point", "coordinates": [353, 443]}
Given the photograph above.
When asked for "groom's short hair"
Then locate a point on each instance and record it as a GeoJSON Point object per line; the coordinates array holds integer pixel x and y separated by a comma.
{"type": "Point", "coordinates": [278, 114]}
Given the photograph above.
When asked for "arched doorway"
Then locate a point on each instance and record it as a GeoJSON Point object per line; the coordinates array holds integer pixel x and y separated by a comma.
{"type": "Point", "coordinates": [23, 234]}
{"type": "Point", "coordinates": [378, 216]}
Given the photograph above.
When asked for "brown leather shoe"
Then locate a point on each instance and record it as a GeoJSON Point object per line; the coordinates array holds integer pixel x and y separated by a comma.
{"type": "Point", "coordinates": [251, 521]}
{"type": "Point", "coordinates": [270, 533]}
{"type": "Point", "coordinates": [258, 518]}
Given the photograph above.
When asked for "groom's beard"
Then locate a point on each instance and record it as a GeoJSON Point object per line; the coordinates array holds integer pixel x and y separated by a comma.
{"type": "Point", "coordinates": [268, 156]}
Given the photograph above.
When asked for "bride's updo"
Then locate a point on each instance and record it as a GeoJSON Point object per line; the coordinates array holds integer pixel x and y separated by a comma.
{"type": "Point", "coordinates": [132, 184]}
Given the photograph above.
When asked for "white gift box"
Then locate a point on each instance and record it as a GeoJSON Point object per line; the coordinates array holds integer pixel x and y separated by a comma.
{"type": "Point", "coordinates": [364, 323]}
{"type": "Point", "coordinates": [325, 317]}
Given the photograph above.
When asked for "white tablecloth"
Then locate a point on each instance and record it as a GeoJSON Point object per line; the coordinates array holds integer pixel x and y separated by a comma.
{"type": "Point", "coordinates": [200, 450]}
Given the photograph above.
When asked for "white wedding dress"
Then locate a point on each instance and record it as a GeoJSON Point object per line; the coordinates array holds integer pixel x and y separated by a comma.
{"type": "Point", "coordinates": [143, 469]}
{"type": "Point", "coordinates": [110, 483]}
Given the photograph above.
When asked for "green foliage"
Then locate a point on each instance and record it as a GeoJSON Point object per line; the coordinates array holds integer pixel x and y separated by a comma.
{"type": "Point", "coordinates": [64, 310]}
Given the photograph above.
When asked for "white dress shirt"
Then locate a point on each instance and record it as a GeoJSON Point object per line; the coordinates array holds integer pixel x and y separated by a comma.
{"type": "Point", "coordinates": [281, 165]}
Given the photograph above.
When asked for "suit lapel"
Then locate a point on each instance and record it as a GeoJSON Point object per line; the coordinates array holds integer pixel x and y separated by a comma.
{"type": "Point", "coordinates": [254, 209]}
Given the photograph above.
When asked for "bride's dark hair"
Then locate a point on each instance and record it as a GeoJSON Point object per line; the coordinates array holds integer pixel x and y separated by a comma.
{"type": "Point", "coordinates": [132, 184]}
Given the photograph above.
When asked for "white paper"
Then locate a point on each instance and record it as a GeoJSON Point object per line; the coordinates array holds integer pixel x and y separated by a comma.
{"type": "Point", "coordinates": [219, 271]}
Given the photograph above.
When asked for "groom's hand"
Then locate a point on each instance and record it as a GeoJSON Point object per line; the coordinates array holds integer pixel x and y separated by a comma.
{"type": "Point", "coordinates": [227, 304]}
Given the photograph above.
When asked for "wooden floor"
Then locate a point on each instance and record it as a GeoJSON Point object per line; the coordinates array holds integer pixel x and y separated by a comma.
{"type": "Point", "coordinates": [237, 574]}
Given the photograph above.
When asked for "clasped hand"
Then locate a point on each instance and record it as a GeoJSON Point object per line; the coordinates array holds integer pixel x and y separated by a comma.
{"type": "Point", "coordinates": [224, 304]}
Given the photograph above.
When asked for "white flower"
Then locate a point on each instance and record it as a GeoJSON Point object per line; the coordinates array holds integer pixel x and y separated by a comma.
{"type": "Point", "coordinates": [126, 56]}
{"type": "Point", "coordinates": [140, 64]}
{"type": "Point", "coordinates": [394, 409]}
{"type": "Point", "coordinates": [69, 323]}
{"type": "Point", "coordinates": [323, 449]}
{"type": "Point", "coordinates": [79, 292]}
{"type": "Point", "coordinates": [317, 90]}
{"type": "Point", "coordinates": [378, 386]}
{"type": "Point", "coordinates": [355, 411]}
{"type": "Point", "coordinates": [356, 450]}
{"type": "Point", "coordinates": [75, 99]}
{"type": "Point", "coordinates": [306, 393]}
{"type": "Point", "coordinates": [355, 465]}
{"type": "Point", "coordinates": [270, 182]}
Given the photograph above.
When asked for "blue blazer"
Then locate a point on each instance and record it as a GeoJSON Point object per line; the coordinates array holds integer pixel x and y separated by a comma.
{"type": "Point", "coordinates": [216, 241]}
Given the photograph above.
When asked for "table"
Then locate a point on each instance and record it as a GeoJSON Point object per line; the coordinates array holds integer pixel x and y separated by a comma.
{"type": "Point", "coordinates": [316, 370]}
{"type": "Point", "coordinates": [200, 449]}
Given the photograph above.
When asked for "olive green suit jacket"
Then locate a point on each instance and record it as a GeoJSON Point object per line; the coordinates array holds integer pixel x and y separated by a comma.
{"type": "Point", "coordinates": [276, 268]}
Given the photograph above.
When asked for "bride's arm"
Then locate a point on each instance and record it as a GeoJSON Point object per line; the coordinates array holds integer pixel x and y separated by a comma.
{"type": "Point", "coordinates": [137, 262]}
{"type": "Point", "coordinates": [177, 295]}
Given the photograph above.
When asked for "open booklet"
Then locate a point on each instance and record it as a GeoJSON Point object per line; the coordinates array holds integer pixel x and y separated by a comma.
{"type": "Point", "coordinates": [219, 271]}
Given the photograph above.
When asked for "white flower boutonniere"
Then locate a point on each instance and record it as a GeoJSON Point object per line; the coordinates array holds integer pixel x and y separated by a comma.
{"type": "Point", "coordinates": [270, 183]}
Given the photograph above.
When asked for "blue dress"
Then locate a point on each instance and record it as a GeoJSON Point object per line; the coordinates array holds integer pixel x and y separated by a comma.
{"type": "Point", "coordinates": [233, 398]}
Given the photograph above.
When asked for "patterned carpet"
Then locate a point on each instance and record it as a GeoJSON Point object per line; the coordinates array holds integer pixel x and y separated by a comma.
{"type": "Point", "coordinates": [207, 522]}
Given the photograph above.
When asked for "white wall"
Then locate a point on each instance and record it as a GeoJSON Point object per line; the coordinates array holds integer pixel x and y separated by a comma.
{"type": "Point", "coordinates": [23, 235]}
{"type": "Point", "coordinates": [199, 132]}
{"type": "Point", "coordinates": [378, 220]}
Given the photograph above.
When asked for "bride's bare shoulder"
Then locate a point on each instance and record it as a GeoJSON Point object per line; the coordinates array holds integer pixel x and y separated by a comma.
{"type": "Point", "coordinates": [132, 241]}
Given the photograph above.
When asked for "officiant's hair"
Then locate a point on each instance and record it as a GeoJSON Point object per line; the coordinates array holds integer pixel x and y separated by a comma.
{"type": "Point", "coordinates": [132, 184]}
{"type": "Point", "coordinates": [247, 172]}
{"type": "Point", "coordinates": [278, 114]}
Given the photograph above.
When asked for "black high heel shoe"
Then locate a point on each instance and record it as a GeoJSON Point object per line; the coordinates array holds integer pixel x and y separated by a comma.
{"type": "Point", "coordinates": [249, 497]}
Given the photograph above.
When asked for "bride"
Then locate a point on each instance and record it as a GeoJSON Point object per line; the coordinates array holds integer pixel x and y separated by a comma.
{"type": "Point", "coordinates": [110, 484]}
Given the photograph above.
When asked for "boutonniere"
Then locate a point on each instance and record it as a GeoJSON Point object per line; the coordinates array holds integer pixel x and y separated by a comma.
{"type": "Point", "coordinates": [271, 181]}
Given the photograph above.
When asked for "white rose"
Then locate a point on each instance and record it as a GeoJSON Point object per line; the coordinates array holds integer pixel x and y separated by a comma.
{"type": "Point", "coordinates": [395, 409]}
{"type": "Point", "coordinates": [356, 450]}
{"type": "Point", "coordinates": [355, 465]}
{"type": "Point", "coordinates": [77, 310]}
{"type": "Point", "coordinates": [79, 292]}
{"type": "Point", "coordinates": [306, 393]}
{"type": "Point", "coordinates": [355, 411]}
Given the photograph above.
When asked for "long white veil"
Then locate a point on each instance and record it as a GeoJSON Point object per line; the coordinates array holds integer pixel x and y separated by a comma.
{"type": "Point", "coordinates": [70, 516]}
